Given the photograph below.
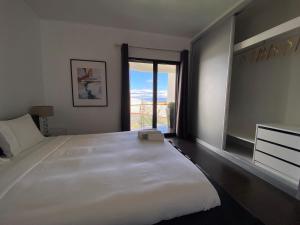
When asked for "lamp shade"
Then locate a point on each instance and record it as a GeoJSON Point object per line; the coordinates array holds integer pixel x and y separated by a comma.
{"type": "Point", "coordinates": [42, 111]}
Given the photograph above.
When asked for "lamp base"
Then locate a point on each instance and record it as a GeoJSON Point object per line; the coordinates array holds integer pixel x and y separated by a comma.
{"type": "Point", "coordinates": [45, 128]}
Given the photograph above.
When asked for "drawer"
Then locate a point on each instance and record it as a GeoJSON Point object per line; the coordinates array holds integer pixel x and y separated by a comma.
{"type": "Point", "coordinates": [295, 183]}
{"type": "Point", "coordinates": [278, 165]}
{"type": "Point", "coordinates": [289, 140]}
{"type": "Point", "coordinates": [278, 151]}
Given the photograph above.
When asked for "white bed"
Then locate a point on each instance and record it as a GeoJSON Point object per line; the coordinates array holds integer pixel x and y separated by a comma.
{"type": "Point", "coordinates": [101, 179]}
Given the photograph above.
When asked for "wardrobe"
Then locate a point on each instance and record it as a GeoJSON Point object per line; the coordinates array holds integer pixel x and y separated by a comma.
{"type": "Point", "coordinates": [245, 90]}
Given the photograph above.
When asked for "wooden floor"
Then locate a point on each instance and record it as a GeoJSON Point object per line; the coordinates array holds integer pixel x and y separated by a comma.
{"type": "Point", "coordinates": [262, 200]}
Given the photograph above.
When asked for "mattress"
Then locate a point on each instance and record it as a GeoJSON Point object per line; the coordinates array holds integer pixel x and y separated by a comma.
{"type": "Point", "coordinates": [101, 179]}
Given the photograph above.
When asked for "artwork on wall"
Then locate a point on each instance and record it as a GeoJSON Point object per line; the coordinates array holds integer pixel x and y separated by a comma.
{"type": "Point", "coordinates": [89, 85]}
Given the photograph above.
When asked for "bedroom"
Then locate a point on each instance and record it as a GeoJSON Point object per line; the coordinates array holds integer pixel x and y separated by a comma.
{"type": "Point", "coordinates": [81, 63]}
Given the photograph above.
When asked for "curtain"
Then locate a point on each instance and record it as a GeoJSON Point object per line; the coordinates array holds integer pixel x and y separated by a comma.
{"type": "Point", "coordinates": [125, 98]}
{"type": "Point", "coordinates": [182, 96]}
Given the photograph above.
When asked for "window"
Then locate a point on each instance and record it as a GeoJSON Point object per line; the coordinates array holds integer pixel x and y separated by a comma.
{"type": "Point", "coordinates": [141, 95]}
{"type": "Point", "coordinates": [152, 94]}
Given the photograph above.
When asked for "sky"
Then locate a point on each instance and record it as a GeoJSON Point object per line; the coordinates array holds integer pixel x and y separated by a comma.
{"type": "Point", "coordinates": [141, 85]}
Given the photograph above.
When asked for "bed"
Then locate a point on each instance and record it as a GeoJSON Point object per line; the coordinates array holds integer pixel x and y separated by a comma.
{"type": "Point", "coordinates": [101, 179]}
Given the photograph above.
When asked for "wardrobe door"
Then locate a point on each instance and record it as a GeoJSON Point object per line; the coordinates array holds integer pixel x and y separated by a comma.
{"type": "Point", "coordinates": [210, 76]}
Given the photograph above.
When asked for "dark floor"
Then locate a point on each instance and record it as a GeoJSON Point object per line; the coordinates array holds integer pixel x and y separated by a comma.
{"type": "Point", "coordinates": [262, 200]}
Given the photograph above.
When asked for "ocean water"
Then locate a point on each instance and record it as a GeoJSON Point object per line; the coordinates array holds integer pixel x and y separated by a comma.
{"type": "Point", "coordinates": [151, 99]}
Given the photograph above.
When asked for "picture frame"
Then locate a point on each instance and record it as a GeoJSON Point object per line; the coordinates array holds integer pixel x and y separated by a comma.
{"type": "Point", "coordinates": [89, 83]}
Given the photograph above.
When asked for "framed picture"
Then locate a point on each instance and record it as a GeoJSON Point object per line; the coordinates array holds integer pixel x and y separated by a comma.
{"type": "Point", "coordinates": [89, 85]}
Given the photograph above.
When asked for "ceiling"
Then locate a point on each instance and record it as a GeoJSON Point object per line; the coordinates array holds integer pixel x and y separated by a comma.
{"type": "Point", "coordinates": [173, 17]}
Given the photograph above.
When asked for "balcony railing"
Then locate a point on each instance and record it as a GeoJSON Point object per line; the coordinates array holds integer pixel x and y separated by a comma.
{"type": "Point", "coordinates": [141, 116]}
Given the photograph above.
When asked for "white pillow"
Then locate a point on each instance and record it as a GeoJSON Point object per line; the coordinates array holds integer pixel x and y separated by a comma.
{"type": "Point", "coordinates": [19, 134]}
{"type": "Point", "coordinates": [8, 141]}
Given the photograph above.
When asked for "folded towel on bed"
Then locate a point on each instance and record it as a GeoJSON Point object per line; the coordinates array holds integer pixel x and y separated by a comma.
{"type": "Point", "coordinates": [151, 135]}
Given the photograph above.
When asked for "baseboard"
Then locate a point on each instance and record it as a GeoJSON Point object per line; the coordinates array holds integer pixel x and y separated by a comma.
{"type": "Point", "coordinates": [250, 167]}
{"type": "Point", "coordinates": [209, 146]}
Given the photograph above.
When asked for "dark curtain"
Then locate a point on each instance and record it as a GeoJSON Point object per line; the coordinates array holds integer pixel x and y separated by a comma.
{"type": "Point", "coordinates": [182, 96]}
{"type": "Point", "coordinates": [125, 98]}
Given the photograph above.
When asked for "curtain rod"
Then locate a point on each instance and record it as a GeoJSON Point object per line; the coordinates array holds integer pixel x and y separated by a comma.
{"type": "Point", "coordinates": [156, 49]}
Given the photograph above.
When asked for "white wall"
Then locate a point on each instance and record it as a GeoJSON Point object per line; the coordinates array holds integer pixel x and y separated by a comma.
{"type": "Point", "coordinates": [264, 14]}
{"type": "Point", "coordinates": [20, 59]}
{"type": "Point", "coordinates": [259, 94]}
{"type": "Point", "coordinates": [62, 41]}
{"type": "Point", "coordinates": [210, 78]}
{"type": "Point", "coordinates": [292, 113]}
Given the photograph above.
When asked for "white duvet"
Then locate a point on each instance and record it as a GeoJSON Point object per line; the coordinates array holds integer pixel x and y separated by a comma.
{"type": "Point", "coordinates": [101, 179]}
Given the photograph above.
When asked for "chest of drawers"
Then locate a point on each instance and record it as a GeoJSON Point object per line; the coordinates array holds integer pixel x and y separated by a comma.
{"type": "Point", "coordinates": [277, 149]}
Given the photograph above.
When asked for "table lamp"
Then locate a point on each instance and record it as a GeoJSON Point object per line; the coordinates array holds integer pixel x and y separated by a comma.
{"type": "Point", "coordinates": [42, 112]}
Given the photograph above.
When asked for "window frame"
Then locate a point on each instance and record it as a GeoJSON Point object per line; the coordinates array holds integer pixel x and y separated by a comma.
{"type": "Point", "coordinates": [155, 63]}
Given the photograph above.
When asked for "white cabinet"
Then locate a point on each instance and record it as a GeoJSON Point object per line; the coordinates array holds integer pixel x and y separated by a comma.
{"type": "Point", "coordinates": [277, 149]}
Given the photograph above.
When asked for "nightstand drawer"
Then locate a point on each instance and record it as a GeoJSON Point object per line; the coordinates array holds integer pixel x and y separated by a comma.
{"type": "Point", "coordinates": [278, 137]}
{"type": "Point", "coordinates": [279, 151]}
